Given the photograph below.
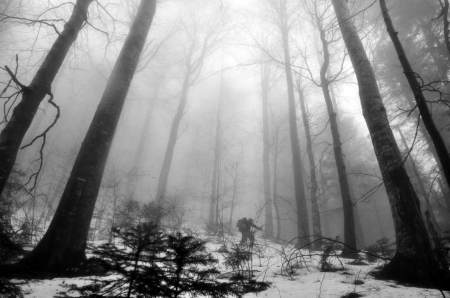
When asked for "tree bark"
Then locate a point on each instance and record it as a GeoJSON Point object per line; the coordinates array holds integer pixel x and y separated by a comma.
{"type": "Point", "coordinates": [411, 76]}
{"type": "Point", "coordinates": [12, 135]}
{"type": "Point", "coordinates": [414, 260]}
{"type": "Point", "coordinates": [317, 229]}
{"type": "Point", "coordinates": [63, 245]}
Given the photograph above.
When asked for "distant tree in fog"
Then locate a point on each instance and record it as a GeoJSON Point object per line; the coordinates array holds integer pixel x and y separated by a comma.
{"type": "Point", "coordinates": [284, 18]}
{"type": "Point", "coordinates": [202, 35]}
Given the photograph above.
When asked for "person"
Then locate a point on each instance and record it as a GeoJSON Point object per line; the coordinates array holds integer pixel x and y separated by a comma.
{"type": "Point", "coordinates": [245, 227]}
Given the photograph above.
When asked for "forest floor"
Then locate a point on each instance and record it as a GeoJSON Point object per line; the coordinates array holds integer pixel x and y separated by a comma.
{"type": "Point", "coordinates": [290, 273]}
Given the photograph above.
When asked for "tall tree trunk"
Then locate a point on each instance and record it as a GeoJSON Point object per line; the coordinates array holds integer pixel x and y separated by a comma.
{"type": "Point", "coordinates": [317, 229]}
{"type": "Point", "coordinates": [12, 135]}
{"type": "Point", "coordinates": [265, 70]}
{"type": "Point", "coordinates": [214, 198]}
{"type": "Point", "coordinates": [360, 237]}
{"type": "Point", "coordinates": [168, 156]}
{"type": "Point", "coordinates": [63, 245]}
{"type": "Point", "coordinates": [276, 199]}
{"type": "Point", "coordinates": [414, 260]}
{"type": "Point", "coordinates": [347, 204]}
{"type": "Point", "coordinates": [411, 76]}
{"type": "Point", "coordinates": [300, 198]}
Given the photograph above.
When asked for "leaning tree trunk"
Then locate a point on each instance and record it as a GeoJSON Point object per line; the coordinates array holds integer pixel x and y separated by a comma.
{"type": "Point", "coordinates": [63, 245]}
{"type": "Point", "coordinates": [414, 260]}
{"type": "Point", "coordinates": [411, 76]}
{"type": "Point", "coordinates": [266, 150]}
{"type": "Point", "coordinates": [12, 135]}
{"type": "Point", "coordinates": [317, 229]}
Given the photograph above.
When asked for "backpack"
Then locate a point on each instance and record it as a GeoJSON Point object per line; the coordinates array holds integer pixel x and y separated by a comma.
{"type": "Point", "coordinates": [241, 224]}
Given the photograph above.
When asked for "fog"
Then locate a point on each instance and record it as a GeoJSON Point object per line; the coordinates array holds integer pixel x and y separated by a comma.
{"type": "Point", "coordinates": [230, 43]}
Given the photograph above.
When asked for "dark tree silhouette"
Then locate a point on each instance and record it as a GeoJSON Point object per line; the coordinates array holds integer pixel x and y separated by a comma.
{"type": "Point", "coordinates": [32, 95]}
{"type": "Point", "coordinates": [414, 260]}
{"type": "Point", "coordinates": [63, 245]}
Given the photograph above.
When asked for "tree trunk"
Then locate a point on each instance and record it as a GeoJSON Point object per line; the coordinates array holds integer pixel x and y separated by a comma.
{"type": "Point", "coordinates": [317, 229]}
{"type": "Point", "coordinates": [12, 135]}
{"type": "Point", "coordinates": [63, 245]}
{"type": "Point", "coordinates": [143, 139]}
{"type": "Point", "coordinates": [300, 198]}
{"type": "Point", "coordinates": [276, 200]}
{"type": "Point", "coordinates": [265, 70]}
{"type": "Point", "coordinates": [414, 260]}
{"type": "Point", "coordinates": [411, 76]}
{"type": "Point", "coordinates": [347, 204]}
{"type": "Point", "coordinates": [168, 156]}
{"type": "Point", "coordinates": [214, 198]}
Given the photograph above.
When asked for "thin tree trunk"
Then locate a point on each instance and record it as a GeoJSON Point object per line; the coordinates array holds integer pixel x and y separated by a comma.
{"type": "Point", "coordinates": [12, 135]}
{"type": "Point", "coordinates": [317, 229]}
{"type": "Point", "coordinates": [214, 199]}
{"type": "Point", "coordinates": [168, 156]}
{"type": "Point", "coordinates": [265, 70]}
{"type": "Point", "coordinates": [347, 204]}
{"type": "Point", "coordinates": [143, 139]}
{"type": "Point", "coordinates": [63, 245]}
{"type": "Point", "coordinates": [276, 200]}
{"type": "Point", "coordinates": [435, 136]}
{"type": "Point", "coordinates": [414, 260]}
{"type": "Point", "coordinates": [300, 198]}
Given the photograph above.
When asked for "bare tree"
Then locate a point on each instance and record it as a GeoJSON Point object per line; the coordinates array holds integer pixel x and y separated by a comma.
{"type": "Point", "coordinates": [202, 38]}
{"type": "Point", "coordinates": [284, 20]}
{"type": "Point", "coordinates": [416, 87]}
{"type": "Point", "coordinates": [317, 229]}
{"type": "Point", "coordinates": [414, 260]}
{"type": "Point", "coordinates": [63, 245]}
{"type": "Point", "coordinates": [32, 95]}
{"type": "Point", "coordinates": [319, 13]}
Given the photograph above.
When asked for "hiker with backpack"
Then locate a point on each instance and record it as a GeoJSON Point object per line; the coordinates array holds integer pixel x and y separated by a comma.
{"type": "Point", "coordinates": [245, 226]}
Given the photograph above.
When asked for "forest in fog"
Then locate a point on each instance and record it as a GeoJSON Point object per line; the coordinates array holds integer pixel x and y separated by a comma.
{"type": "Point", "coordinates": [318, 119]}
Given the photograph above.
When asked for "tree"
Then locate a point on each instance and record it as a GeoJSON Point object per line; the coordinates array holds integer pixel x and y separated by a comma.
{"type": "Point", "coordinates": [416, 88]}
{"type": "Point", "coordinates": [317, 229]}
{"type": "Point", "coordinates": [32, 95]}
{"type": "Point", "coordinates": [284, 21]}
{"type": "Point", "coordinates": [318, 16]}
{"type": "Point", "coordinates": [265, 86]}
{"type": "Point", "coordinates": [414, 260]}
{"type": "Point", "coordinates": [63, 245]}
{"type": "Point", "coordinates": [201, 39]}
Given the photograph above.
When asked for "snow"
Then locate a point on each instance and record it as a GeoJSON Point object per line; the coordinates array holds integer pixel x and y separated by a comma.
{"type": "Point", "coordinates": [306, 281]}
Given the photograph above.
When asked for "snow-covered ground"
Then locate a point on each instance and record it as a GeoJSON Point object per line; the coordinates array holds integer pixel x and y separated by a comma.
{"type": "Point", "coordinates": [304, 279]}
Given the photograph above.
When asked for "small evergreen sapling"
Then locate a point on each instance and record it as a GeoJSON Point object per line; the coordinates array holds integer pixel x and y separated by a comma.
{"type": "Point", "coordinates": [151, 264]}
{"type": "Point", "coordinates": [189, 269]}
